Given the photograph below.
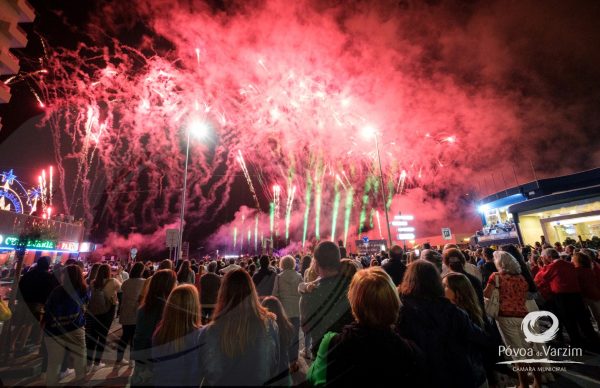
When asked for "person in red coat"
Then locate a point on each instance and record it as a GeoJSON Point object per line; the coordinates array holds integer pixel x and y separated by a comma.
{"type": "Point", "coordinates": [590, 287]}
{"type": "Point", "coordinates": [560, 277]}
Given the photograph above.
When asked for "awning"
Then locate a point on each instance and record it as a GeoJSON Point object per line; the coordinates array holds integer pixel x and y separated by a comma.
{"type": "Point", "coordinates": [555, 199]}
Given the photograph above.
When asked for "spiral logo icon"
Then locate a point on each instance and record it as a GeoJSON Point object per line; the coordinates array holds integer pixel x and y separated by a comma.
{"type": "Point", "coordinates": [531, 328]}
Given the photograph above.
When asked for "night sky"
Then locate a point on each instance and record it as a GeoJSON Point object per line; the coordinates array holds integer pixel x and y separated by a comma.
{"type": "Point", "coordinates": [539, 59]}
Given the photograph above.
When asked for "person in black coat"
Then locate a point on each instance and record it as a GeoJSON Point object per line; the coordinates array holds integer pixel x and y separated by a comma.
{"type": "Point", "coordinates": [455, 260]}
{"type": "Point", "coordinates": [452, 343]}
{"type": "Point", "coordinates": [34, 288]}
{"type": "Point", "coordinates": [488, 267]}
{"type": "Point", "coordinates": [394, 266]}
{"type": "Point", "coordinates": [375, 305]}
{"type": "Point", "coordinates": [264, 279]}
{"type": "Point", "coordinates": [343, 252]}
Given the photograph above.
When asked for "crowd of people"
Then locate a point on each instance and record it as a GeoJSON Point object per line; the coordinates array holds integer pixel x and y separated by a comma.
{"type": "Point", "coordinates": [248, 320]}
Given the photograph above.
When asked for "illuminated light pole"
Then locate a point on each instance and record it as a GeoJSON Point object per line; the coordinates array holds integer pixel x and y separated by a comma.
{"type": "Point", "coordinates": [200, 130]}
{"type": "Point", "coordinates": [367, 132]}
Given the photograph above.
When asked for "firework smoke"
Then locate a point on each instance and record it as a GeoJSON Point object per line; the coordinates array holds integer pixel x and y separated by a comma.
{"type": "Point", "coordinates": [291, 84]}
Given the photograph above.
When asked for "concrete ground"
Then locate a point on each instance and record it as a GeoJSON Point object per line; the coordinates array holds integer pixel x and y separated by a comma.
{"type": "Point", "coordinates": [26, 371]}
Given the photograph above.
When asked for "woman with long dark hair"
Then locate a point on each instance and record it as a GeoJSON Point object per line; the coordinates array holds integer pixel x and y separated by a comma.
{"type": "Point", "coordinates": [148, 316]}
{"type": "Point", "coordinates": [92, 273]}
{"type": "Point", "coordinates": [64, 320]}
{"type": "Point", "coordinates": [287, 334]}
{"type": "Point", "coordinates": [451, 342]}
{"type": "Point", "coordinates": [186, 275]}
{"type": "Point", "coordinates": [241, 344]}
{"type": "Point", "coordinates": [305, 264]}
{"type": "Point", "coordinates": [175, 343]}
{"type": "Point", "coordinates": [101, 310]}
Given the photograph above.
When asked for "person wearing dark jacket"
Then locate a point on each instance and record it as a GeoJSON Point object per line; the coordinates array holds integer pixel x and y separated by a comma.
{"type": "Point", "coordinates": [65, 324]}
{"type": "Point", "coordinates": [488, 267]}
{"type": "Point", "coordinates": [264, 278]}
{"type": "Point", "coordinates": [325, 308]}
{"type": "Point", "coordinates": [340, 361]}
{"type": "Point", "coordinates": [455, 260]}
{"type": "Point", "coordinates": [149, 316]}
{"type": "Point", "coordinates": [209, 286]}
{"type": "Point", "coordinates": [343, 252]}
{"type": "Point", "coordinates": [394, 266]}
{"type": "Point", "coordinates": [34, 288]}
{"type": "Point", "coordinates": [451, 342]}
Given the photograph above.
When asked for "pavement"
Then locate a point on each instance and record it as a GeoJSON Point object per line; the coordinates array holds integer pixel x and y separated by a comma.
{"type": "Point", "coordinates": [26, 370]}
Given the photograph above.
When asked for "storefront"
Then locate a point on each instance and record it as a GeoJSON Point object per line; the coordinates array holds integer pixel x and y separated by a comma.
{"type": "Point", "coordinates": [553, 209]}
{"type": "Point", "coordinates": [570, 215]}
{"type": "Point", "coordinates": [60, 240]}
{"type": "Point", "coordinates": [59, 251]}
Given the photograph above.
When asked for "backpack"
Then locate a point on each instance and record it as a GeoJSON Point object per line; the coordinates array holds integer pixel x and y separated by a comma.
{"type": "Point", "coordinates": [99, 304]}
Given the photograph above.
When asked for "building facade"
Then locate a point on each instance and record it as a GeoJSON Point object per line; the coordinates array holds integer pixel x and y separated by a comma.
{"type": "Point", "coordinates": [12, 12]}
{"type": "Point", "coordinates": [551, 210]}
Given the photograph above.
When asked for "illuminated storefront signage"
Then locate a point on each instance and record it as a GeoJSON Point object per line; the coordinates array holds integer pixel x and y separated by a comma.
{"type": "Point", "coordinates": [11, 242]}
{"type": "Point", "coordinates": [68, 246]}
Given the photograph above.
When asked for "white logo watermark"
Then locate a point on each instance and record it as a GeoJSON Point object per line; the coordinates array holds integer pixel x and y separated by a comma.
{"type": "Point", "coordinates": [538, 351]}
{"type": "Point", "coordinates": [530, 323]}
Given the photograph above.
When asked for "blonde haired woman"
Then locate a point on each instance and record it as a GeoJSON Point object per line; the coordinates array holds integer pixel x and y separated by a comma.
{"type": "Point", "coordinates": [176, 340]}
{"type": "Point", "coordinates": [375, 306]}
{"type": "Point", "coordinates": [512, 288]}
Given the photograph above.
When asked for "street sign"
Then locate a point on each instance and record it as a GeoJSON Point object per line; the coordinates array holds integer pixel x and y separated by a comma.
{"type": "Point", "coordinates": [446, 234]}
{"type": "Point", "coordinates": [172, 238]}
{"type": "Point", "coordinates": [133, 252]}
{"type": "Point", "coordinates": [365, 239]}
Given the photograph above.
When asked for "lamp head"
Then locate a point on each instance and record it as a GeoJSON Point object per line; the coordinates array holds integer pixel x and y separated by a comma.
{"type": "Point", "coordinates": [199, 129]}
{"type": "Point", "coordinates": [368, 132]}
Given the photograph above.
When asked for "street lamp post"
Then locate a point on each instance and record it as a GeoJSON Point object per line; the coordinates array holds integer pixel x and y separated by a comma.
{"type": "Point", "coordinates": [200, 129]}
{"type": "Point", "coordinates": [369, 131]}
{"type": "Point", "coordinates": [182, 213]}
{"type": "Point", "coordinates": [383, 196]}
